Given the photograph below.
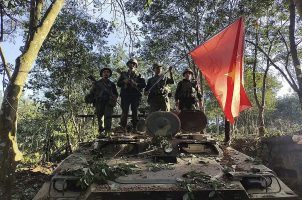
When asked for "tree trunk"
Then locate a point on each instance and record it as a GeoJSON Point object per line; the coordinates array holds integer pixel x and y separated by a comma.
{"type": "Point", "coordinates": [75, 124]}
{"type": "Point", "coordinates": [45, 157]}
{"type": "Point", "coordinates": [4, 63]}
{"type": "Point", "coordinates": [68, 143]}
{"type": "Point", "coordinates": [261, 127]}
{"type": "Point", "coordinates": [9, 152]}
{"type": "Point", "coordinates": [293, 48]}
{"type": "Point", "coordinates": [300, 99]}
{"type": "Point", "coordinates": [260, 106]}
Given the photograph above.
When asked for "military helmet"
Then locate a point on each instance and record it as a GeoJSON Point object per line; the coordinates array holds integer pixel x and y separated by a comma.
{"type": "Point", "coordinates": [155, 65]}
{"type": "Point", "coordinates": [187, 70]}
{"type": "Point", "coordinates": [106, 68]}
{"type": "Point", "coordinates": [132, 60]}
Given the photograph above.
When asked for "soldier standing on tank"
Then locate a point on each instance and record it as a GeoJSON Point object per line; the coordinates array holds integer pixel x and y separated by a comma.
{"type": "Point", "coordinates": [187, 92]}
{"type": "Point", "coordinates": [131, 84]}
{"type": "Point", "coordinates": [104, 97]}
{"type": "Point", "coordinates": [156, 89]}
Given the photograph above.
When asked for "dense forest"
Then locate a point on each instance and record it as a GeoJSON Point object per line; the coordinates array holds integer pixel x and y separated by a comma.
{"type": "Point", "coordinates": [64, 42]}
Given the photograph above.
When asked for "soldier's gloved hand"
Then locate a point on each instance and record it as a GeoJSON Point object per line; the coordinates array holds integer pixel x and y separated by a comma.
{"type": "Point", "coordinates": [146, 93]}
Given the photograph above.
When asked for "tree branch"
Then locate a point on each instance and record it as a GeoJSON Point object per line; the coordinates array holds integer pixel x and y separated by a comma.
{"type": "Point", "coordinates": [292, 84]}
{"type": "Point", "coordinates": [254, 72]}
{"type": "Point", "coordinates": [287, 56]}
{"type": "Point", "coordinates": [35, 16]}
{"type": "Point", "coordinates": [5, 66]}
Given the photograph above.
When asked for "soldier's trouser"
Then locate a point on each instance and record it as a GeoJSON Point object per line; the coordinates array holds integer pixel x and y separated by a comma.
{"type": "Point", "coordinates": [104, 109]}
{"type": "Point", "coordinates": [159, 103]}
{"type": "Point", "coordinates": [126, 102]}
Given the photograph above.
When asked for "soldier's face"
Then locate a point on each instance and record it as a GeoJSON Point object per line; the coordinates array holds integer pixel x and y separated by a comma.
{"type": "Point", "coordinates": [158, 70]}
{"type": "Point", "coordinates": [131, 66]}
{"type": "Point", "coordinates": [188, 76]}
{"type": "Point", "coordinates": [106, 74]}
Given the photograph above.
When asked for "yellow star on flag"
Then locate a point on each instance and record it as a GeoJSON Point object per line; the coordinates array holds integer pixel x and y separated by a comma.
{"type": "Point", "coordinates": [231, 74]}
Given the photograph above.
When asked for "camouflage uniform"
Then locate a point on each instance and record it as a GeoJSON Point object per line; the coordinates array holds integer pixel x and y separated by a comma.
{"type": "Point", "coordinates": [185, 94]}
{"type": "Point", "coordinates": [104, 93]}
{"type": "Point", "coordinates": [130, 95]}
{"type": "Point", "coordinates": [158, 95]}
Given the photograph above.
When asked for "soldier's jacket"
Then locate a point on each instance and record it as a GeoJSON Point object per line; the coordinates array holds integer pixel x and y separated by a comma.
{"type": "Point", "coordinates": [128, 89]}
{"type": "Point", "coordinates": [103, 91]}
{"type": "Point", "coordinates": [187, 90]}
{"type": "Point", "coordinates": [159, 88]}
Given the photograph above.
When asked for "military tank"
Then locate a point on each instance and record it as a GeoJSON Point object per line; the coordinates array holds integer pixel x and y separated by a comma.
{"type": "Point", "coordinates": [173, 159]}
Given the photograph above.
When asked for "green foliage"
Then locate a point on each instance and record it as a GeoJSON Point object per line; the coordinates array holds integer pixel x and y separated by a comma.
{"type": "Point", "coordinates": [31, 131]}
{"type": "Point", "coordinates": [195, 179]}
{"type": "Point", "coordinates": [288, 109]}
{"type": "Point", "coordinates": [286, 117]}
{"type": "Point", "coordinates": [13, 4]}
{"type": "Point", "coordinates": [271, 29]}
{"type": "Point", "coordinates": [203, 179]}
{"type": "Point", "coordinates": [13, 9]}
{"type": "Point", "coordinates": [74, 49]}
{"type": "Point", "coordinates": [155, 167]}
{"type": "Point", "coordinates": [39, 132]}
{"type": "Point", "coordinates": [273, 85]}
{"type": "Point", "coordinates": [173, 28]}
{"type": "Point", "coordinates": [247, 121]}
{"type": "Point", "coordinates": [99, 172]}
{"type": "Point", "coordinates": [148, 3]}
{"type": "Point", "coordinates": [213, 110]}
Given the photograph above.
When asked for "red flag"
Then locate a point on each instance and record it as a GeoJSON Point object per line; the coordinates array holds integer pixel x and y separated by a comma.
{"type": "Point", "coordinates": [220, 61]}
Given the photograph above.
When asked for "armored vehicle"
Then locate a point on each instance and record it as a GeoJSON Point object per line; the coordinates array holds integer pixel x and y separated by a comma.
{"type": "Point", "coordinates": [173, 159]}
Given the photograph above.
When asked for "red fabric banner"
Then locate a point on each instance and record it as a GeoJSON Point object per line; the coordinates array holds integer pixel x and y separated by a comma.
{"type": "Point", "coordinates": [220, 60]}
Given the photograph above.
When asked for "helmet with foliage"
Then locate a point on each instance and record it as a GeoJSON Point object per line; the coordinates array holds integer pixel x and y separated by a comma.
{"type": "Point", "coordinates": [132, 60]}
{"type": "Point", "coordinates": [156, 65]}
{"type": "Point", "coordinates": [106, 68]}
{"type": "Point", "coordinates": [187, 70]}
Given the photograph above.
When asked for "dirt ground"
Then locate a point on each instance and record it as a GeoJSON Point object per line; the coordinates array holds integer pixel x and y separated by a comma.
{"type": "Point", "coordinates": [30, 180]}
